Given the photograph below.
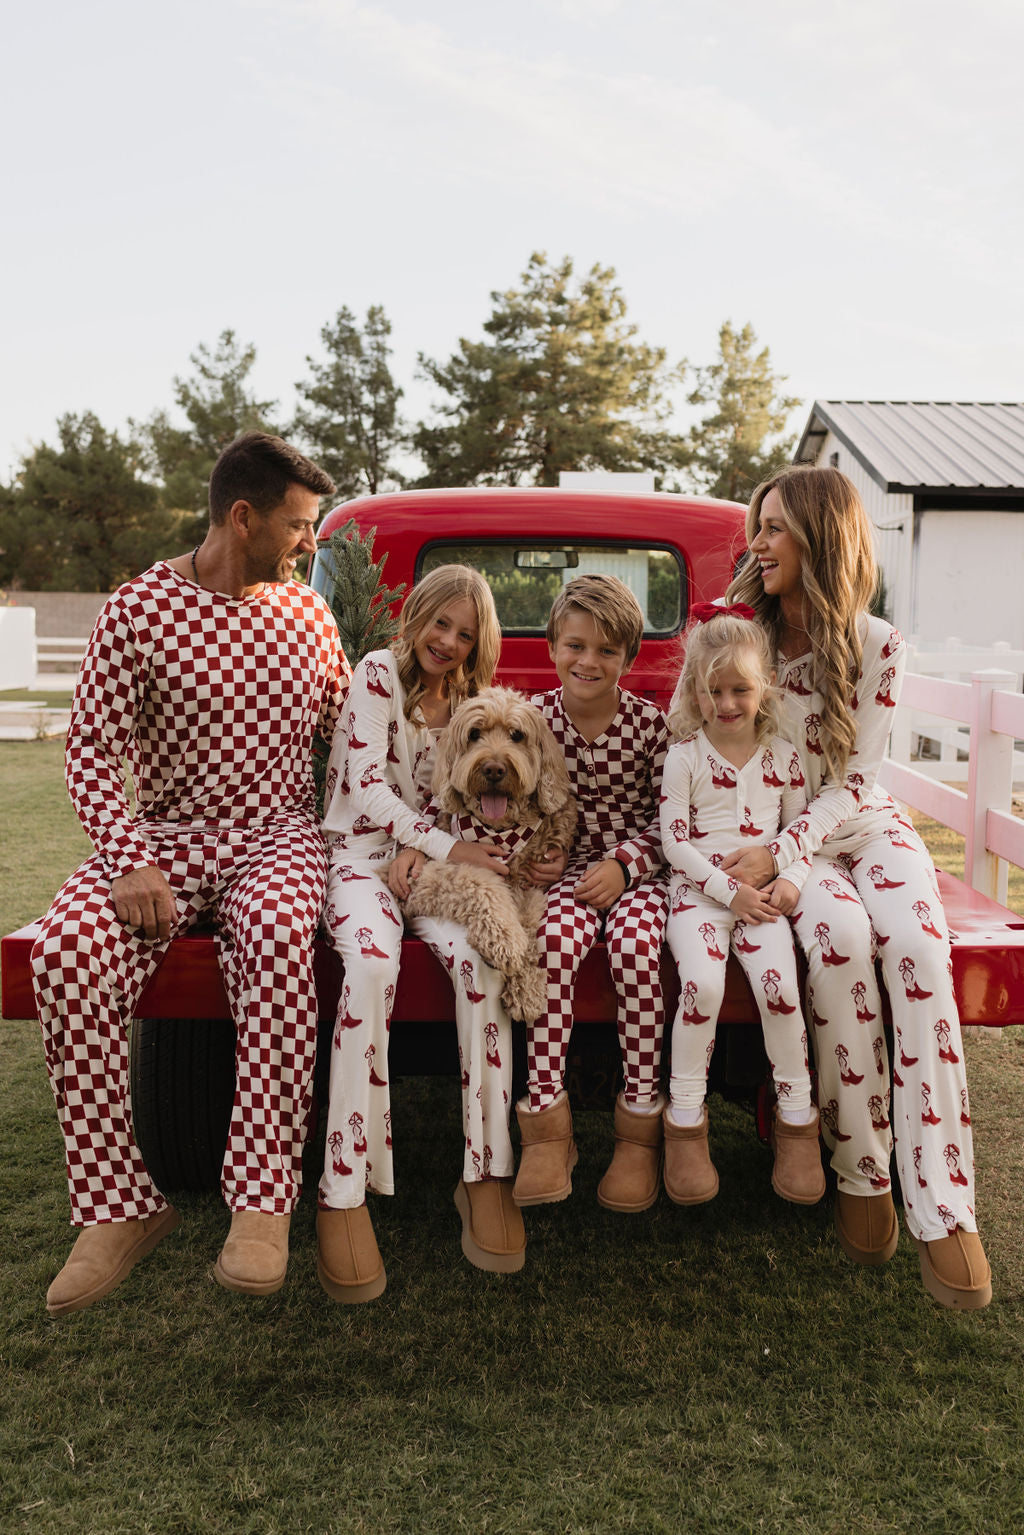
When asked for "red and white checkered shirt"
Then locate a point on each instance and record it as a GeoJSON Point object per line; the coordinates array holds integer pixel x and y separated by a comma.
{"type": "Point", "coordinates": [616, 780]}
{"type": "Point", "coordinates": [213, 700]}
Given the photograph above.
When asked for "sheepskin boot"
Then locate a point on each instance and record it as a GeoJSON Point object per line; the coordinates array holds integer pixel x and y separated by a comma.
{"type": "Point", "coordinates": [955, 1271]}
{"type": "Point", "coordinates": [103, 1256]}
{"type": "Point", "coordinates": [255, 1256]}
{"type": "Point", "coordinates": [493, 1234]}
{"type": "Point", "coordinates": [548, 1153]}
{"type": "Point", "coordinates": [690, 1176]}
{"type": "Point", "coordinates": [631, 1182]}
{"type": "Point", "coordinates": [797, 1173]}
{"type": "Point", "coordinates": [348, 1259]}
{"type": "Point", "coordinates": [867, 1227]}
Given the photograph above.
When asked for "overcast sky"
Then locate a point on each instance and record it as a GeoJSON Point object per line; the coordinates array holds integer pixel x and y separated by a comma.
{"type": "Point", "coordinates": [845, 176]}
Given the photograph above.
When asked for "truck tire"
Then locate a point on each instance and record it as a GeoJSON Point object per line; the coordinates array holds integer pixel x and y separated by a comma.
{"type": "Point", "coordinates": [182, 1086]}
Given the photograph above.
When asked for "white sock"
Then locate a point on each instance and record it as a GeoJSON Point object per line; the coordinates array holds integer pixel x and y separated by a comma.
{"type": "Point", "coordinates": [686, 1118]}
{"type": "Point", "coordinates": [791, 1115]}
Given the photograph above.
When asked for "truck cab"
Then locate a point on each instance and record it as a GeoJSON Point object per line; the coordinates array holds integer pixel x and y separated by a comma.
{"type": "Point", "coordinates": [671, 550]}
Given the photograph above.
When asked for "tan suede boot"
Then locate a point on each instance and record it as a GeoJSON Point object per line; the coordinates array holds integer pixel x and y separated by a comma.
{"type": "Point", "coordinates": [867, 1227]}
{"type": "Point", "coordinates": [797, 1173]}
{"type": "Point", "coordinates": [493, 1234]}
{"type": "Point", "coordinates": [631, 1182]}
{"type": "Point", "coordinates": [955, 1271]}
{"type": "Point", "coordinates": [690, 1176]}
{"type": "Point", "coordinates": [348, 1259]}
{"type": "Point", "coordinates": [255, 1256]}
{"type": "Point", "coordinates": [103, 1256]}
{"type": "Point", "coordinates": [548, 1153]}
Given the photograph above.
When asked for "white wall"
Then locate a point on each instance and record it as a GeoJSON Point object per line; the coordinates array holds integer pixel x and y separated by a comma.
{"type": "Point", "coordinates": [970, 566]}
{"type": "Point", "coordinates": [17, 648]}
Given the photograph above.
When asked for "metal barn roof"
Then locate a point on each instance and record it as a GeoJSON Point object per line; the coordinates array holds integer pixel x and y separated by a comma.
{"type": "Point", "coordinates": [924, 445]}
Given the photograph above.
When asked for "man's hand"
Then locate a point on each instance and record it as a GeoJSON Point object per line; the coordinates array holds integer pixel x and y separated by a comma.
{"type": "Point", "coordinates": [550, 867]}
{"type": "Point", "coordinates": [752, 905]}
{"type": "Point", "coordinates": [482, 855]}
{"type": "Point", "coordinates": [144, 902]}
{"type": "Point", "coordinates": [755, 866]}
{"type": "Point", "coordinates": [404, 868]}
{"type": "Point", "coordinates": [602, 884]}
{"type": "Point", "coordinates": [784, 895]}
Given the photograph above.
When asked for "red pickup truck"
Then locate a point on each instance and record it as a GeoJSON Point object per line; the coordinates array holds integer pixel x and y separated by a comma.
{"type": "Point", "coordinates": [672, 551]}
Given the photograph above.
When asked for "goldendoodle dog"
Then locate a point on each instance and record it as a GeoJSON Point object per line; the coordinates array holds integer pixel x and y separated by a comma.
{"type": "Point", "coordinates": [499, 777]}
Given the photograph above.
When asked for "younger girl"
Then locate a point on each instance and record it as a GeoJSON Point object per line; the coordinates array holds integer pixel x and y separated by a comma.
{"type": "Point", "coordinates": [731, 782]}
{"type": "Point", "coordinates": [399, 702]}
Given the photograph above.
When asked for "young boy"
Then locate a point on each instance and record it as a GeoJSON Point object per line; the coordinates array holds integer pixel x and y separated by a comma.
{"type": "Point", "coordinates": [614, 745]}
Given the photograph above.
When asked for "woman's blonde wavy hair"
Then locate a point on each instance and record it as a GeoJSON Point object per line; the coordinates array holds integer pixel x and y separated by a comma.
{"type": "Point", "coordinates": [824, 513]}
{"type": "Point", "coordinates": [420, 611]}
{"type": "Point", "coordinates": [709, 648]}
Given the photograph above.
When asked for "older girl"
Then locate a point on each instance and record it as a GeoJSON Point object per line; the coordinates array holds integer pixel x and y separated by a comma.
{"type": "Point", "coordinates": [729, 781]}
{"type": "Point", "coordinates": [810, 577]}
{"type": "Point", "coordinates": [399, 702]}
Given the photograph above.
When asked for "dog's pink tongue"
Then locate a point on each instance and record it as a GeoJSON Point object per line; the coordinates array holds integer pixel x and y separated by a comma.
{"type": "Point", "coordinates": [493, 806]}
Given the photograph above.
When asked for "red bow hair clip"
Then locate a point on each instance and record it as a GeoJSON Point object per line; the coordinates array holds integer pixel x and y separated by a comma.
{"type": "Point", "coordinates": [704, 612]}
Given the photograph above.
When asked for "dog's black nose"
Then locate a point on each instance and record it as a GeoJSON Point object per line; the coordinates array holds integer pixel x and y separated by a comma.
{"type": "Point", "coordinates": [494, 772]}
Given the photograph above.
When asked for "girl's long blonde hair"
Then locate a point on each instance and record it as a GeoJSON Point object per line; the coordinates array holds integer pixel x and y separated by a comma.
{"type": "Point", "coordinates": [420, 611]}
{"type": "Point", "coordinates": [711, 646]}
{"type": "Point", "coordinates": [825, 515]}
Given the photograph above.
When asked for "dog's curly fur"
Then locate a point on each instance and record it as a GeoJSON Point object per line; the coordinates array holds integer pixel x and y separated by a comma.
{"type": "Point", "coordinates": [498, 753]}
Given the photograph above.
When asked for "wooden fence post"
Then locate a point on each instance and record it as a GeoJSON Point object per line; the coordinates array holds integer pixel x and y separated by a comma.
{"type": "Point", "coordinates": [989, 783]}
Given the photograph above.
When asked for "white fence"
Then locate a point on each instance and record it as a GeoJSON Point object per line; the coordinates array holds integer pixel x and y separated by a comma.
{"type": "Point", "coordinates": [937, 748]}
{"type": "Point", "coordinates": [990, 708]}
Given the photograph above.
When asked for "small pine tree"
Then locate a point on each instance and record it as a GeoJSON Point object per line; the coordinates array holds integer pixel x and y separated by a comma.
{"type": "Point", "coordinates": [361, 604]}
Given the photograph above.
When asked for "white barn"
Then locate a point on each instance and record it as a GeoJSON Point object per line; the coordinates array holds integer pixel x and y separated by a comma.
{"type": "Point", "coordinates": [943, 484]}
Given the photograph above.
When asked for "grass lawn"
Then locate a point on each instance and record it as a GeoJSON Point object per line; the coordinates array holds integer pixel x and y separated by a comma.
{"type": "Point", "coordinates": [717, 1369]}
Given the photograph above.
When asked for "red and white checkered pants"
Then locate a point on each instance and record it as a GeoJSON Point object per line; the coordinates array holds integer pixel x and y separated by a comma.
{"type": "Point", "coordinates": [884, 894]}
{"type": "Point", "coordinates": [267, 887]}
{"type": "Point", "coordinates": [700, 933]}
{"type": "Point", "coordinates": [633, 930]}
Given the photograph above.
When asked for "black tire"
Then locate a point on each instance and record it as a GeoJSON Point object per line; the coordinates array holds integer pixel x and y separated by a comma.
{"type": "Point", "coordinates": [182, 1087]}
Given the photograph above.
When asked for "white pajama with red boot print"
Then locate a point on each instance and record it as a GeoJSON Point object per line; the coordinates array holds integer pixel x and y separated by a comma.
{"type": "Point", "coordinates": [214, 702]}
{"type": "Point", "coordinates": [711, 808]}
{"type": "Point", "coordinates": [378, 780]}
{"type": "Point", "coordinates": [616, 780]}
{"type": "Point", "coordinates": [872, 889]}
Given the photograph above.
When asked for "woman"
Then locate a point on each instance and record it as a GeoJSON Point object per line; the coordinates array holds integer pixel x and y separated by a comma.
{"type": "Point", "coordinates": [810, 578]}
{"type": "Point", "coordinates": [399, 703]}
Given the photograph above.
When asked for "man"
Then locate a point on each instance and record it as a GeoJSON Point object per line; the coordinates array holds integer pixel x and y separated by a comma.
{"type": "Point", "coordinates": [210, 673]}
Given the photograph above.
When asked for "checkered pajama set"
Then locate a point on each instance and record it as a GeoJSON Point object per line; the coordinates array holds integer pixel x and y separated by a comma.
{"type": "Point", "coordinates": [378, 781]}
{"type": "Point", "coordinates": [214, 701]}
{"type": "Point", "coordinates": [871, 890]}
{"type": "Point", "coordinates": [711, 808]}
{"type": "Point", "coordinates": [616, 780]}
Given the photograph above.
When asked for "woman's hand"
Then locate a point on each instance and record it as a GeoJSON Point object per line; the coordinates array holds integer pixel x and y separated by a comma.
{"type": "Point", "coordinates": [752, 905]}
{"type": "Point", "coordinates": [482, 855]}
{"type": "Point", "coordinates": [404, 868]}
{"type": "Point", "coordinates": [784, 895]}
{"type": "Point", "coordinates": [546, 870]}
{"type": "Point", "coordinates": [754, 866]}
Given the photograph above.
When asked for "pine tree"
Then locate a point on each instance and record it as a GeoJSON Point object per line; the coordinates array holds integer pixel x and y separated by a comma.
{"type": "Point", "coordinates": [561, 383]}
{"type": "Point", "coordinates": [361, 604]}
{"type": "Point", "coordinates": [348, 417]}
{"type": "Point", "coordinates": [733, 449]}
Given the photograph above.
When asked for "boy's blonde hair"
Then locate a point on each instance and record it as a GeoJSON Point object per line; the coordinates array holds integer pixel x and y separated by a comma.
{"type": "Point", "coordinates": [612, 606]}
{"type": "Point", "coordinates": [710, 647]}
{"type": "Point", "coordinates": [420, 611]}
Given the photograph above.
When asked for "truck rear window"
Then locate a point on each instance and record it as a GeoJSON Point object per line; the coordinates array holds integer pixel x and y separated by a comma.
{"type": "Point", "coordinates": [527, 577]}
